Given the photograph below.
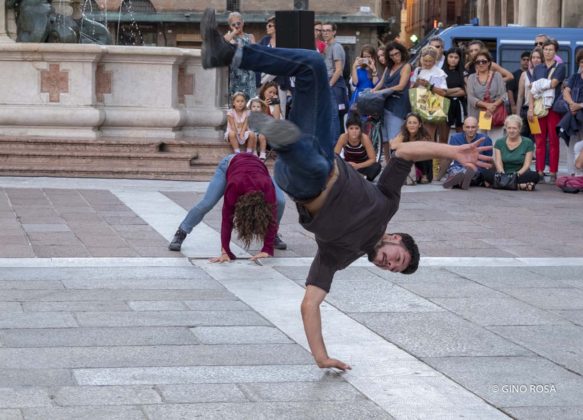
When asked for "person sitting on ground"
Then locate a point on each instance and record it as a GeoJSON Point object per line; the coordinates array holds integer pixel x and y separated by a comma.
{"type": "Point", "coordinates": [457, 175]}
{"type": "Point", "coordinates": [257, 105]}
{"type": "Point", "coordinates": [237, 133]}
{"type": "Point", "coordinates": [347, 214]}
{"type": "Point", "coordinates": [253, 204]}
{"type": "Point", "coordinates": [513, 154]}
{"type": "Point", "coordinates": [357, 149]}
{"type": "Point", "coordinates": [413, 129]}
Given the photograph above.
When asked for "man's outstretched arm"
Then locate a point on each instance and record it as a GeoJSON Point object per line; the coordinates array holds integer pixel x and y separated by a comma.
{"type": "Point", "coordinates": [469, 155]}
{"type": "Point", "coordinates": [313, 327]}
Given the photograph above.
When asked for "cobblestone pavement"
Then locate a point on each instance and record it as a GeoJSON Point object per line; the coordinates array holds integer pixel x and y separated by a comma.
{"type": "Point", "coordinates": [98, 320]}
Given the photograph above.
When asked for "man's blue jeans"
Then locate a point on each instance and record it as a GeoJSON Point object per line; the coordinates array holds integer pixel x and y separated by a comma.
{"type": "Point", "coordinates": [215, 192]}
{"type": "Point", "coordinates": [302, 168]}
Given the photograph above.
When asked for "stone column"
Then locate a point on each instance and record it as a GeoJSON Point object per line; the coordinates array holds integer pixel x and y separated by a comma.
{"type": "Point", "coordinates": [572, 14]}
{"type": "Point", "coordinates": [503, 12]}
{"type": "Point", "coordinates": [494, 12]}
{"type": "Point", "coordinates": [548, 13]}
{"type": "Point", "coordinates": [482, 13]}
{"type": "Point", "coordinates": [527, 12]}
{"type": "Point", "coordinates": [4, 38]}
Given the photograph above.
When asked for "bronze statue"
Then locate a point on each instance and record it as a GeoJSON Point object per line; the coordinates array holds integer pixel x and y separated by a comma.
{"type": "Point", "coordinates": [37, 21]}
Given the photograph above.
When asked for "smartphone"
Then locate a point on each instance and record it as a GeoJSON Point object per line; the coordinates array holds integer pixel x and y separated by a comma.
{"type": "Point", "coordinates": [274, 101]}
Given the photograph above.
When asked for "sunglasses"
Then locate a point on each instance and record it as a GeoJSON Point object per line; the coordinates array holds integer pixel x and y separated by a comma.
{"type": "Point", "coordinates": [538, 44]}
{"type": "Point", "coordinates": [482, 61]}
{"type": "Point", "coordinates": [235, 25]}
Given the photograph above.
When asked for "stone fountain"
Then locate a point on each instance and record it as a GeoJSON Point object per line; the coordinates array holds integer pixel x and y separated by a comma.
{"type": "Point", "coordinates": [91, 93]}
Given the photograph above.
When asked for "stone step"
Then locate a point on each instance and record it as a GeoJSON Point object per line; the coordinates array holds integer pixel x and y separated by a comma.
{"type": "Point", "coordinates": [112, 158]}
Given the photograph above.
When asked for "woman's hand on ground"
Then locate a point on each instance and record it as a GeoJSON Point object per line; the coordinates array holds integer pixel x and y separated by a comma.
{"type": "Point", "coordinates": [223, 258]}
{"type": "Point", "coordinates": [259, 256]}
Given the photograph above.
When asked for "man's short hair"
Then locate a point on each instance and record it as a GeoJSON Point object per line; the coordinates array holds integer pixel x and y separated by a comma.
{"type": "Point", "coordinates": [409, 243]}
{"type": "Point", "coordinates": [317, 22]}
{"type": "Point", "coordinates": [525, 54]}
{"type": "Point", "coordinates": [332, 24]}
{"type": "Point", "coordinates": [436, 38]}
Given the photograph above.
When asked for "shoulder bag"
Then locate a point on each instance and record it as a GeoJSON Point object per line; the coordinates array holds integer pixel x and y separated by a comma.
{"type": "Point", "coordinates": [500, 114]}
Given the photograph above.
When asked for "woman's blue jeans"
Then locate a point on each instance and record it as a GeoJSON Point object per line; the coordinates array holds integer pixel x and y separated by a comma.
{"type": "Point", "coordinates": [302, 168]}
{"type": "Point", "coordinates": [215, 192]}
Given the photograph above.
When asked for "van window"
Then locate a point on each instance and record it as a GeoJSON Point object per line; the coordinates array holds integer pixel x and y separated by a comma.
{"type": "Point", "coordinates": [510, 56]}
{"type": "Point", "coordinates": [463, 44]}
{"type": "Point", "coordinates": [565, 54]}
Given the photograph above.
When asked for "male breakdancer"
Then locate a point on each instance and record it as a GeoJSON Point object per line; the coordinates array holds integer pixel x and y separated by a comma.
{"type": "Point", "coordinates": [347, 214]}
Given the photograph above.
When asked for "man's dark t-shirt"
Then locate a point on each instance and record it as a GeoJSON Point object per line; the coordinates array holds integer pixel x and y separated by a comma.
{"type": "Point", "coordinates": [353, 218]}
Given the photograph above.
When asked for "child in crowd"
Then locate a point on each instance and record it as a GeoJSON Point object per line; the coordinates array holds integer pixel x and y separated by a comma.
{"type": "Point", "coordinates": [238, 133]}
{"type": "Point", "coordinates": [269, 94]}
{"type": "Point", "coordinates": [257, 105]}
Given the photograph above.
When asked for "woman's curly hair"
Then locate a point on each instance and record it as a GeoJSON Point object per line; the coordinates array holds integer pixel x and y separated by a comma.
{"type": "Point", "coordinates": [253, 215]}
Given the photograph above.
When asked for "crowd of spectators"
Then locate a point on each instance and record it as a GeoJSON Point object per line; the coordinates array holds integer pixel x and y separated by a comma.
{"type": "Point", "coordinates": [538, 94]}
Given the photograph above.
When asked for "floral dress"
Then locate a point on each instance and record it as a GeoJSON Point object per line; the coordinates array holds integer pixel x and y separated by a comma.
{"type": "Point", "coordinates": [242, 80]}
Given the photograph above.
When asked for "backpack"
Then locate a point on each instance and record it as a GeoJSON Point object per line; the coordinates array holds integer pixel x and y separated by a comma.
{"type": "Point", "coordinates": [570, 184]}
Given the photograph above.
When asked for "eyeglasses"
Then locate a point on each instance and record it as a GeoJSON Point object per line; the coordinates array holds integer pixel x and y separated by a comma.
{"type": "Point", "coordinates": [235, 24]}
{"type": "Point", "coordinates": [326, 30]}
{"type": "Point", "coordinates": [538, 44]}
{"type": "Point", "coordinates": [482, 61]}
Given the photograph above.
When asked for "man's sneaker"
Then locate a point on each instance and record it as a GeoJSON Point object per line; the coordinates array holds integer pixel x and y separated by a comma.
{"type": "Point", "coordinates": [176, 243]}
{"type": "Point", "coordinates": [468, 175]}
{"type": "Point", "coordinates": [216, 52]}
{"type": "Point", "coordinates": [454, 180]}
{"type": "Point", "coordinates": [278, 132]}
{"type": "Point", "coordinates": [278, 243]}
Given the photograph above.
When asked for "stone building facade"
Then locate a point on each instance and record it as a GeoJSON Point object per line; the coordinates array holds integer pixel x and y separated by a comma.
{"type": "Point", "coordinates": [175, 23]}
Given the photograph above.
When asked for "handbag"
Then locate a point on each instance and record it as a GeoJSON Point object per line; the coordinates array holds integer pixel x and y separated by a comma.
{"type": "Point", "coordinates": [504, 181]}
{"type": "Point", "coordinates": [540, 110]}
{"type": "Point", "coordinates": [431, 107]}
{"type": "Point", "coordinates": [500, 114]}
{"type": "Point", "coordinates": [560, 106]}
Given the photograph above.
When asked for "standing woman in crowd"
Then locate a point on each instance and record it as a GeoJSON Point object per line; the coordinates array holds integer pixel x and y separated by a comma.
{"type": "Point", "coordinates": [474, 47]}
{"type": "Point", "coordinates": [381, 60]}
{"type": "Point", "coordinates": [556, 72]}
{"type": "Point", "coordinates": [396, 80]}
{"type": "Point", "coordinates": [364, 73]}
{"type": "Point", "coordinates": [523, 97]}
{"type": "Point", "coordinates": [479, 84]}
{"type": "Point", "coordinates": [240, 80]}
{"type": "Point", "coordinates": [430, 76]}
{"type": "Point", "coordinates": [453, 67]}
{"type": "Point", "coordinates": [572, 122]}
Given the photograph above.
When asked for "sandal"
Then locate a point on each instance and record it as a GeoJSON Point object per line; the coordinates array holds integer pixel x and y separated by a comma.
{"type": "Point", "coordinates": [527, 186]}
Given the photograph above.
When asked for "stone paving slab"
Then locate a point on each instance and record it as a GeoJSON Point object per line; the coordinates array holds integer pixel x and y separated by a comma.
{"type": "Point", "coordinates": [84, 413]}
{"type": "Point", "coordinates": [93, 337]}
{"type": "Point", "coordinates": [10, 414]}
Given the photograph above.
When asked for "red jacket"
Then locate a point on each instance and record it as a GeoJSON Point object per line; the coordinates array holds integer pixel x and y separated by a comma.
{"type": "Point", "coordinates": [247, 173]}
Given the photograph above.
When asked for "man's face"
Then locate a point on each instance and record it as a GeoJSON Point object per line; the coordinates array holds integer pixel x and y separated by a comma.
{"type": "Point", "coordinates": [524, 63]}
{"type": "Point", "coordinates": [318, 32]}
{"type": "Point", "coordinates": [470, 128]}
{"type": "Point", "coordinates": [328, 33]}
{"type": "Point", "coordinates": [473, 50]}
{"type": "Point", "coordinates": [391, 255]}
{"type": "Point", "coordinates": [539, 41]}
{"type": "Point", "coordinates": [437, 46]}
